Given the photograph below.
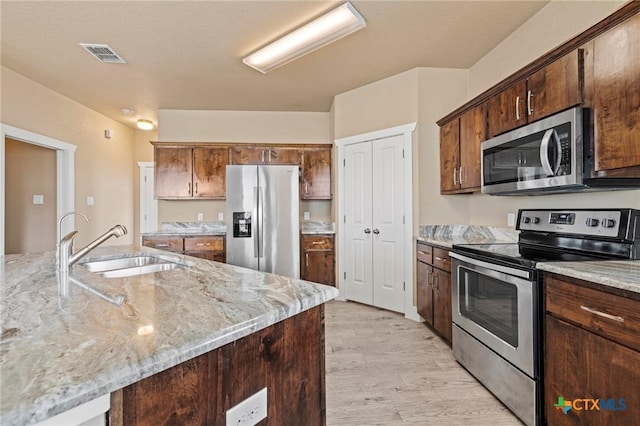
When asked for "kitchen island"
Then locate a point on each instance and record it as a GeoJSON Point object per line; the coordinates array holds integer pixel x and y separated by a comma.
{"type": "Point", "coordinates": [67, 340]}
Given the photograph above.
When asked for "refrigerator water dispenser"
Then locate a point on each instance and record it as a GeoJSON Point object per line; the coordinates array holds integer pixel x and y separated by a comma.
{"type": "Point", "coordinates": [241, 224]}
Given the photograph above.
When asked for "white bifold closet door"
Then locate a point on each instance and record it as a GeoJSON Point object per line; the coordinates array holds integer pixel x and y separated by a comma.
{"type": "Point", "coordinates": [374, 216]}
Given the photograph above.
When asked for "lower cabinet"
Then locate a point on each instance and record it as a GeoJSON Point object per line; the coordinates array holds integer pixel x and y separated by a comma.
{"type": "Point", "coordinates": [287, 358]}
{"type": "Point", "coordinates": [434, 288]}
{"type": "Point", "coordinates": [591, 355]}
{"type": "Point", "coordinates": [210, 247]}
{"type": "Point", "coordinates": [317, 261]}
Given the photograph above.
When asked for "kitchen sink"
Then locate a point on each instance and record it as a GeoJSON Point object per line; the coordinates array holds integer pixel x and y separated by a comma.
{"type": "Point", "coordinates": [129, 266]}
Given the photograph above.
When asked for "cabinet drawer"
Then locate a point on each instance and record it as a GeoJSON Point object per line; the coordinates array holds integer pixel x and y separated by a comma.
{"type": "Point", "coordinates": [424, 253]}
{"type": "Point", "coordinates": [317, 242]}
{"type": "Point", "coordinates": [614, 317]}
{"type": "Point", "coordinates": [164, 243]}
{"type": "Point", "coordinates": [441, 259]}
{"type": "Point", "coordinates": [203, 244]}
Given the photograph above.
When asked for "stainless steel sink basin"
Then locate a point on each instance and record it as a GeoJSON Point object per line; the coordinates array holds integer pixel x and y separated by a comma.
{"type": "Point", "coordinates": [129, 266]}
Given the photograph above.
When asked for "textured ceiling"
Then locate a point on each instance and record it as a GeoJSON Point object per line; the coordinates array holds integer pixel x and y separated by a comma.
{"type": "Point", "coordinates": [188, 54]}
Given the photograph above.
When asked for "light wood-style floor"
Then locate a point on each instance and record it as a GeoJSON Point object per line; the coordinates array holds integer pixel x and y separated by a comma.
{"type": "Point", "coordinates": [383, 369]}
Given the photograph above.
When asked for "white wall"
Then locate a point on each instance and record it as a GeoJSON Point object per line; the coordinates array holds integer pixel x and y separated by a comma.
{"type": "Point", "coordinates": [553, 25]}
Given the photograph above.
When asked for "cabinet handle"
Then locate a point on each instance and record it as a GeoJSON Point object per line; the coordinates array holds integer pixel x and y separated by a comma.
{"type": "Point", "coordinates": [263, 155]}
{"type": "Point", "coordinates": [306, 187]}
{"type": "Point", "coordinates": [455, 182]}
{"type": "Point", "coordinates": [422, 252]}
{"type": "Point", "coordinates": [189, 186]}
{"type": "Point", "coordinates": [269, 155]}
{"type": "Point", "coordinates": [306, 260]}
{"type": "Point", "coordinates": [601, 314]}
{"type": "Point", "coordinates": [529, 103]}
{"type": "Point", "coordinates": [162, 245]}
{"type": "Point", "coordinates": [316, 242]}
{"type": "Point", "coordinates": [517, 108]}
{"type": "Point", "coordinates": [203, 244]}
{"type": "Point", "coordinates": [460, 175]}
{"type": "Point", "coordinates": [196, 187]}
{"type": "Point", "coordinates": [442, 259]}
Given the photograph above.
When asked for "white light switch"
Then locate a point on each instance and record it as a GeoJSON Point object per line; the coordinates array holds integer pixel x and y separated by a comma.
{"type": "Point", "coordinates": [511, 219]}
{"type": "Point", "coordinates": [200, 217]}
{"type": "Point", "coordinates": [220, 216]}
{"type": "Point", "coordinates": [38, 199]}
{"type": "Point", "coordinates": [90, 201]}
{"type": "Point", "coordinates": [306, 215]}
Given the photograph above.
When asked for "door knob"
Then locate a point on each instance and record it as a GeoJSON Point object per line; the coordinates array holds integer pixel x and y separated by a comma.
{"type": "Point", "coordinates": [367, 231]}
{"type": "Point", "coordinates": [376, 231]}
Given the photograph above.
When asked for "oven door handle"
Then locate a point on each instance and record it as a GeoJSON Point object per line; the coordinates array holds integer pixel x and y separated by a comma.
{"type": "Point", "coordinates": [491, 266]}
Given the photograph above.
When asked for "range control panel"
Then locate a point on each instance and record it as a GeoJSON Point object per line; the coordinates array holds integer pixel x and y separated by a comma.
{"type": "Point", "coordinates": [602, 223]}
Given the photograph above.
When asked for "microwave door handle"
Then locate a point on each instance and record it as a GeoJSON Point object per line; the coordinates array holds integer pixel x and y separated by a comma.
{"type": "Point", "coordinates": [544, 153]}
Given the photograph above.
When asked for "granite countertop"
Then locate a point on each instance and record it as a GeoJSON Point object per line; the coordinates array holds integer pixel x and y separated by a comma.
{"type": "Point", "coordinates": [317, 228]}
{"type": "Point", "coordinates": [66, 341]}
{"type": "Point", "coordinates": [192, 229]}
{"type": "Point", "coordinates": [448, 235]}
{"type": "Point", "coordinates": [621, 274]}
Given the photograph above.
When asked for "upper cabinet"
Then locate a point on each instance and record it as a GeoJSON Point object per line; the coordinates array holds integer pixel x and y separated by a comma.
{"type": "Point", "coordinates": [198, 170]}
{"type": "Point", "coordinates": [554, 88]}
{"type": "Point", "coordinates": [190, 172]}
{"type": "Point", "coordinates": [316, 174]}
{"type": "Point", "coordinates": [265, 155]}
{"type": "Point", "coordinates": [616, 100]}
{"type": "Point", "coordinates": [460, 141]}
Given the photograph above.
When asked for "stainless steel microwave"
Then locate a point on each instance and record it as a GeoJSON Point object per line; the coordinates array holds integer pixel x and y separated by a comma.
{"type": "Point", "coordinates": [544, 156]}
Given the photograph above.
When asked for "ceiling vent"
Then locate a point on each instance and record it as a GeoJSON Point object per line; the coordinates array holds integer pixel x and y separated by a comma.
{"type": "Point", "coordinates": [103, 53]}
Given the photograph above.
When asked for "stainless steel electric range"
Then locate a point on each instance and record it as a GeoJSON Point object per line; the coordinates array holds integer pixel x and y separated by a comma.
{"type": "Point", "coordinates": [497, 295]}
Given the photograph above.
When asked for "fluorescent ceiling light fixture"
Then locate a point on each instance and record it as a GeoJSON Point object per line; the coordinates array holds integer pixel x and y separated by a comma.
{"type": "Point", "coordinates": [145, 124]}
{"type": "Point", "coordinates": [332, 26]}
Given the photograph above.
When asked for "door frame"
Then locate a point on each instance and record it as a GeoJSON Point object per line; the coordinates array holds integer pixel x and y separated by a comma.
{"type": "Point", "coordinates": [406, 131]}
{"type": "Point", "coordinates": [65, 184]}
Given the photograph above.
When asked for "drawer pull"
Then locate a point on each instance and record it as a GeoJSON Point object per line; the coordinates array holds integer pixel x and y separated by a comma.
{"type": "Point", "coordinates": [602, 314]}
{"type": "Point", "coordinates": [423, 252]}
{"type": "Point", "coordinates": [316, 242]}
{"type": "Point", "coordinates": [441, 259]}
{"type": "Point", "coordinates": [203, 244]}
{"type": "Point", "coordinates": [162, 245]}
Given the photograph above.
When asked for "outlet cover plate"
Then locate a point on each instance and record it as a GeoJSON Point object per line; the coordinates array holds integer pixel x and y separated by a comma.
{"type": "Point", "coordinates": [250, 411]}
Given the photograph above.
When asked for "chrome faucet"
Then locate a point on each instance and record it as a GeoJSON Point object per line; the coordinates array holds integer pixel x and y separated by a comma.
{"type": "Point", "coordinates": [66, 257]}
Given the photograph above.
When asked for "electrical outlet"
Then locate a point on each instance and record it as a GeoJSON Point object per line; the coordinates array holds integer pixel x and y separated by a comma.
{"type": "Point", "coordinates": [511, 219]}
{"type": "Point", "coordinates": [220, 216]}
{"type": "Point", "coordinates": [200, 217]}
{"type": "Point", "coordinates": [38, 199]}
{"type": "Point", "coordinates": [250, 411]}
{"type": "Point", "coordinates": [91, 201]}
{"type": "Point", "coordinates": [306, 215]}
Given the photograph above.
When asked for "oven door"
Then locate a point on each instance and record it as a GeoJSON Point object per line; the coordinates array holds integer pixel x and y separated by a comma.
{"type": "Point", "coordinates": [496, 305]}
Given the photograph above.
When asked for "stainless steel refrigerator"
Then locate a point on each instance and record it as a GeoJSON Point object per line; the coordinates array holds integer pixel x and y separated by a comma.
{"type": "Point", "coordinates": [263, 218]}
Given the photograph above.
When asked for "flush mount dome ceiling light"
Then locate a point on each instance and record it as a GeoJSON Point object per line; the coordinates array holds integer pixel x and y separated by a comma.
{"type": "Point", "coordinates": [144, 124]}
{"type": "Point", "coordinates": [326, 29]}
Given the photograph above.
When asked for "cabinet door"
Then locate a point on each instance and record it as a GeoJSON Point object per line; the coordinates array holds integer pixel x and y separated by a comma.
{"type": "Point", "coordinates": [209, 172]}
{"type": "Point", "coordinates": [556, 87]}
{"type": "Point", "coordinates": [507, 109]}
{"type": "Point", "coordinates": [616, 74]}
{"type": "Point", "coordinates": [472, 134]}
{"type": "Point", "coordinates": [283, 156]}
{"type": "Point", "coordinates": [449, 155]}
{"type": "Point", "coordinates": [424, 302]}
{"type": "Point", "coordinates": [248, 155]}
{"type": "Point", "coordinates": [442, 321]}
{"type": "Point", "coordinates": [316, 174]}
{"type": "Point", "coordinates": [173, 170]}
{"type": "Point", "coordinates": [318, 266]}
{"type": "Point", "coordinates": [578, 364]}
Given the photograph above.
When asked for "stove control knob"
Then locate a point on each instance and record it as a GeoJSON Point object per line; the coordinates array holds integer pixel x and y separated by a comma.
{"type": "Point", "coordinates": [526, 219]}
{"type": "Point", "coordinates": [608, 223]}
{"type": "Point", "coordinates": [536, 220]}
{"type": "Point", "coordinates": [592, 222]}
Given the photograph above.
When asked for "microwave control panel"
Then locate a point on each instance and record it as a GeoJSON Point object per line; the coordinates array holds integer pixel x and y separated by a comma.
{"type": "Point", "coordinates": [601, 223]}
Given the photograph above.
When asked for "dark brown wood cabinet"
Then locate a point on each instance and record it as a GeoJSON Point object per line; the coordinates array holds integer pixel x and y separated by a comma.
{"type": "Point", "coordinates": [591, 351]}
{"type": "Point", "coordinates": [190, 172]}
{"type": "Point", "coordinates": [460, 141]}
{"type": "Point", "coordinates": [554, 88]}
{"type": "Point", "coordinates": [318, 259]}
{"type": "Point", "coordinates": [434, 288]}
{"type": "Point", "coordinates": [269, 155]}
{"type": "Point", "coordinates": [287, 358]}
{"type": "Point", "coordinates": [616, 100]}
{"type": "Point", "coordinates": [316, 174]}
{"type": "Point", "coordinates": [210, 247]}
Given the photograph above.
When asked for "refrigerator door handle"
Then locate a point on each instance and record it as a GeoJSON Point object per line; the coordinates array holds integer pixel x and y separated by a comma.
{"type": "Point", "coordinates": [256, 242]}
{"type": "Point", "coordinates": [260, 222]}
